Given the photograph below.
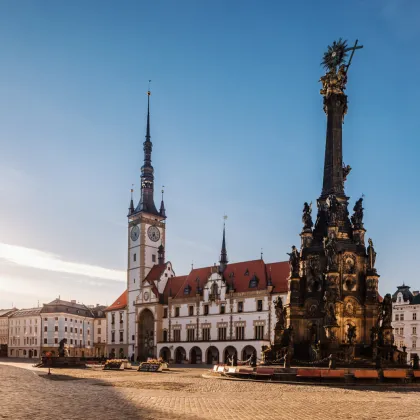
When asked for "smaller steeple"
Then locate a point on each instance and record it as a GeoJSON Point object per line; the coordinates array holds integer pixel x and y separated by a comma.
{"type": "Point", "coordinates": [131, 208]}
{"type": "Point", "coordinates": [161, 255]}
{"type": "Point", "coordinates": [223, 254]}
{"type": "Point", "coordinates": [162, 210]}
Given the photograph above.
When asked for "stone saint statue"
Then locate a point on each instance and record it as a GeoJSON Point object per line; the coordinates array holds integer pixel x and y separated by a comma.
{"type": "Point", "coordinates": [346, 171]}
{"type": "Point", "coordinates": [329, 308]}
{"type": "Point", "coordinates": [307, 217]}
{"type": "Point", "coordinates": [371, 256]}
{"type": "Point", "coordinates": [357, 218]}
{"type": "Point", "coordinates": [61, 347]}
{"type": "Point", "coordinates": [330, 250]}
{"type": "Point", "coordinates": [351, 333]}
{"type": "Point", "coordinates": [280, 313]}
{"type": "Point", "coordinates": [294, 259]}
{"type": "Point", "coordinates": [386, 311]}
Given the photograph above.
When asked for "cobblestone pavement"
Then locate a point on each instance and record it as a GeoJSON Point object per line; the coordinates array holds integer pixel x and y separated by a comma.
{"type": "Point", "coordinates": [185, 394]}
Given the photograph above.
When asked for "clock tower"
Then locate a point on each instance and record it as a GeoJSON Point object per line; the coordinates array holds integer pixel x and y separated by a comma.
{"type": "Point", "coordinates": [146, 233]}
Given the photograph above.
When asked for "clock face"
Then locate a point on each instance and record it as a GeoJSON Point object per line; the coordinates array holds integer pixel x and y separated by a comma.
{"type": "Point", "coordinates": [135, 232]}
{"type": "Point", "coordinates": [153, 233]}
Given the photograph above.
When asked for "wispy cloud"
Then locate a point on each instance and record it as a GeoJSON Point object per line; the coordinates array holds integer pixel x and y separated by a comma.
{"type": "Point", "coordinates": [34, 258]}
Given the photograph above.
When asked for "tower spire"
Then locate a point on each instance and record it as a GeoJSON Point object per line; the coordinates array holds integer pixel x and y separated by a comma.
{"type": "Point", "coordinates": [223, 253]}
{"type": "Point", "coordinates": [147, 203]}
{"type": "Point", "coordinates": [131, 207]}
{"type": "Point", "coordinates": [162, 210]}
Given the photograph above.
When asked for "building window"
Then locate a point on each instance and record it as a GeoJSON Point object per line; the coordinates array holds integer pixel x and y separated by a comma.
{"type": "Point", "coordinates": [414, 330]}
{"type": "Point", "coordinates": [99, 339]}
{"type": "Point", "coordinates": [414, 317]}
{"type": "Point", "coordinates": [56, 328]}
{"type": "Point", "coordinates": [112, 318]}
{"type": "Point", "coordinates": [134, 257]}
{"type": "Point", "coordinates": [55, 340]}
{"type": "Point", "coordinates": [191, 310]}
{"type": "Point", "coordinates": [121, 336]}
{"type": "Point", "coordinates": [240, 306]}
{"type": "Point", "coordinates": [113, 337]}
{"type": "Point", "coordinates": [240, 333]}
{"type": "Point", "coordinates": [65, 319]}
{"type": "Point", "coordinates": [71, 329]}
{"type": "Point", "coordinates": [177, 311]}
{"type": "Point", "coordinates": [75, 330]}
{"type": "Point", "coordinates": [414, 344]}
{"type": "Point", "coordinates": [401, 344]}
{"type": "Point", "coordinates": [222, 308]}
{"type": "Point", "coordinates": [45, 328]}
{"type": "Point", "coordinates": [259, 332]}
{"type": "Point", "coordinates": [65, 329]}
{"type": "Point", "coordinates": [206, 334]}
{"type": "Point", "coordinates": [75, 342]}
{"type": "Point", "coordinates": [259, 305]}
{"type": "Point", "coordinates": [153, 258]}
{"type": "Point", "coordinates": [165, 312]}
{"type": "Point", "coordinates": [121, 318]}
{"type": "Point", "coordinates": [397, 317]}
{"type": "Point", "coordinates": [402, 317]}
{"type": "Point", "coordinates": [165, 336]}
{"type": "Point", "coordinates": [206, 309]}
{"type": "Point", "coordinates": [71, 341]}
{"type": "Point", "coordinates": [177, 335]}
{"type": "Point", "coordinates": [99, 331]}
{"type": "Point", "coordinates": [222, 333]}
{"type": "Point", "coordinates": [56, 318]}
{"type": "Point", "coordinates": [45, 341]}
{"type": "Point", "coordinates": [190, 334]}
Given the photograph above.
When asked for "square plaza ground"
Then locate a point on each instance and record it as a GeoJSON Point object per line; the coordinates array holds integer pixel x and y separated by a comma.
{"type": "Point", "coordinates": [26, 392]}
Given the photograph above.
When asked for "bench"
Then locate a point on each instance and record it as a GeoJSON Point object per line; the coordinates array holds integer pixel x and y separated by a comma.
{"type": "Point", "coordinates": [366, 374]}
{"type": "Point", "coordinates": [308, 373]}
{"type": "Point", "coordinates": [220, 369]}
{"type": "Point", "coordinates": [395, 374]}
{"type": "Point", "coordinates": [333, 373]}
{"type": "Point", "coordinates": [264, 372]}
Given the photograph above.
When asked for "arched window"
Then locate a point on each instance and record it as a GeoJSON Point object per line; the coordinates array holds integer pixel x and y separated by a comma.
{"type": "Point", "coordinates": [165, 336]}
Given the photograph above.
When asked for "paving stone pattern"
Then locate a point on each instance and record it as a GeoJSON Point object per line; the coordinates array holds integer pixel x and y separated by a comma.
{"type": "Point", "coordinates": [184, 394]}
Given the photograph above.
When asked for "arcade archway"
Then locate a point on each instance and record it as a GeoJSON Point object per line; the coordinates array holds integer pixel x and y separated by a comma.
{"type": "Point", "coordinates": [146, 335]}
{"type": "Point", "coordinates": [247, 352]}
{"type": "Point", "coordinates": [230, 352]}
{"type": "Point", "coordinates": [180, 355]}
{"type": "Point", "coordinates": [212, 356]}
{"type": "Point", "coordinates": [195, 356]}
{"type": "Point", "coordinates": [165, 354]}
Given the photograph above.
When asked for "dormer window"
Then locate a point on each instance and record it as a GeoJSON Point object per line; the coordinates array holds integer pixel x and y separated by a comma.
{"type": "Point", "coordinates": [187, 290]}
{"type": "Point", "coordinates": [246, 272]}
{"type": "Point", "coordinates": [253, 283]}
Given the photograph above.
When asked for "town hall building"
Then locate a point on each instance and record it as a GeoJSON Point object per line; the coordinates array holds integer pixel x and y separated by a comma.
{"type": "Point", "coordinates": [210, 315]}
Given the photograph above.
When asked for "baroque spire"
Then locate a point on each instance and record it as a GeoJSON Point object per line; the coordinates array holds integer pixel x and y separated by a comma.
{"type": "Point", "coordinates": [147, 203]}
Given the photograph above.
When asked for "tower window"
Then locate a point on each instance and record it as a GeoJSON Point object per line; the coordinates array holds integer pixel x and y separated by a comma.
{"type": "Point", "coordinates": [191, 310]}
{"type": "Point", "coordinates": [134, 257]}
{"type": "Point", "coordinates": [259, 305]}
{"type": "Point", "coordinates": [153, 258]}
{"type": "Point", "coordinates": [240, 306]}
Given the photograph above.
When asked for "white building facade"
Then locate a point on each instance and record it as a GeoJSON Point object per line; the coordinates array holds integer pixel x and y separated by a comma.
{"type": "Point", "coordinates": [405, 320]}
{"type": "Point", "coordinates": [25, 333]}
{"type": "Point", "coordinates": [71, 321]}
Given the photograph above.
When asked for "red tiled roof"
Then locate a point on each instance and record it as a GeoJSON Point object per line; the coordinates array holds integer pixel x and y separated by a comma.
{"type": "Point", "coordinates": [155, 273]}
{"type": "Point", "coordinates": [240, 274]}
{"type": "Point", "coordinates": [279, 272]}
{"type": "Point", "coordinates": [173, 285]}
{"type": "Point", "coordinates": [120, 303]}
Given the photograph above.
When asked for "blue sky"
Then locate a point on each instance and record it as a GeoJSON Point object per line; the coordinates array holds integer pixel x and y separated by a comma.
{"type": "Point", "coordinates": [237, 127]}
